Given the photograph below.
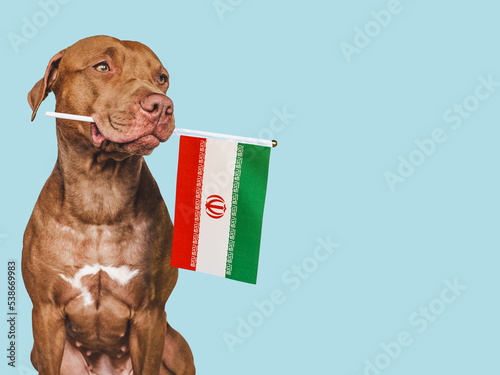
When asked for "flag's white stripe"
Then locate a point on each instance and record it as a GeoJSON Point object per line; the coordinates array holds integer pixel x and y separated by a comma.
{"type": "Point", "coordinates": [218, 178]}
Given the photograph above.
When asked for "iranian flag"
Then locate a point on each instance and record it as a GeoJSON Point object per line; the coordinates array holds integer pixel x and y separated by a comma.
{"type": "Point", "coordinates": [221, 188]}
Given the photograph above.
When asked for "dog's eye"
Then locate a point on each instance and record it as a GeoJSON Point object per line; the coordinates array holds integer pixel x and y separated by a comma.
{"type": "Point", "coordinates": [102, 67]}
{"type": "Point", "coordinates": [162, 79]}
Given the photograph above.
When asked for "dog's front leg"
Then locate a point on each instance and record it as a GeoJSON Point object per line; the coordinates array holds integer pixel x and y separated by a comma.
{"type": "Point", "coordinates": [147, 337]}
{"type": "Point", "coordinates": [49, 334]}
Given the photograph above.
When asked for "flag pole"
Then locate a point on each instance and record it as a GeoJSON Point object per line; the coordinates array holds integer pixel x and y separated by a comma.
{"type": "Point", "coordinates": [225, 137]}
{"type": "Point", "coordinates": [181, 131]}
{"type": "Point", "coordinates": [67, 116]}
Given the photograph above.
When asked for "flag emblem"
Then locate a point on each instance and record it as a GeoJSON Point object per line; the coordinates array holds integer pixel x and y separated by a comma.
{"type": "Point", "coordinates": [215, 206]}
{"type": "Point", "coordinates": [219, 205]}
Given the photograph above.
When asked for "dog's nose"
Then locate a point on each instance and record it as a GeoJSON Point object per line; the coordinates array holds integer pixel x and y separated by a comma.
{"type": "Point", "coordinates": [157, 106]}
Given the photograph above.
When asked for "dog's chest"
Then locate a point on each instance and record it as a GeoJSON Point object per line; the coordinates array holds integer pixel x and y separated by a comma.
{"type": "Point", "coordinates": [93, 282]}
{"type": "Point", "coordinates": [103, 263]}
{"type": "Point", "coordinates": [105, 275]}
{"type": "Point", "coordinates": [103, 301]}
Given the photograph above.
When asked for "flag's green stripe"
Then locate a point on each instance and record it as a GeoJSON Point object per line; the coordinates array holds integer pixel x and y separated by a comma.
{"type": "Point", "coordinates": [249, 212]}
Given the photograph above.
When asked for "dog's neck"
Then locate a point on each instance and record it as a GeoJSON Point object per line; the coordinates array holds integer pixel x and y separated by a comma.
{"type": "Point", "coordinates": [97, 187]}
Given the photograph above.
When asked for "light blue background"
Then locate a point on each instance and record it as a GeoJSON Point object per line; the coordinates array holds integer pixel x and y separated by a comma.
{"type": "Point", "coordinates": [352, 122]}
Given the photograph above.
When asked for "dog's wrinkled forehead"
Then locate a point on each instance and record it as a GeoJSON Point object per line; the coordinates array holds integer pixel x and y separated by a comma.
{"type": "Point", "coordinates": [90, 51]}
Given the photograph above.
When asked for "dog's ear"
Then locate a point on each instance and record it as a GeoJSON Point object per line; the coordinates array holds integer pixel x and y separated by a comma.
{"type": "Point", "coordinates": [42, 88]}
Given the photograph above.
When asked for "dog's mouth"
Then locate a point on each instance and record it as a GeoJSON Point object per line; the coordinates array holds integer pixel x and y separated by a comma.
{"type": "Point", "coordinates": [97, 136]}
{"type": "Point", "coordinates": [144, 144]}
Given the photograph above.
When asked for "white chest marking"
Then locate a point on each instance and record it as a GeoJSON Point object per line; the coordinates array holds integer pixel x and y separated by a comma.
{"type": "Point", "coordinates": [122, 275]}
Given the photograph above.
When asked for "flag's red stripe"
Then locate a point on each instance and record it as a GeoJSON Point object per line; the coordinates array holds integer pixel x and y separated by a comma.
{"type": "Point", "coordinates": [191, 160]}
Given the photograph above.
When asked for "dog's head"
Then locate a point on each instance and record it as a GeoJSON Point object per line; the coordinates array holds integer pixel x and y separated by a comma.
{"type": "Point", "coordinates": [122, 85]}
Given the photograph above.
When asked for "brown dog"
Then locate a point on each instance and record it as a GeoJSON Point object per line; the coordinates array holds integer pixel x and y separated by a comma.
{"type": "Point", "coordinates": [96, 256]}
